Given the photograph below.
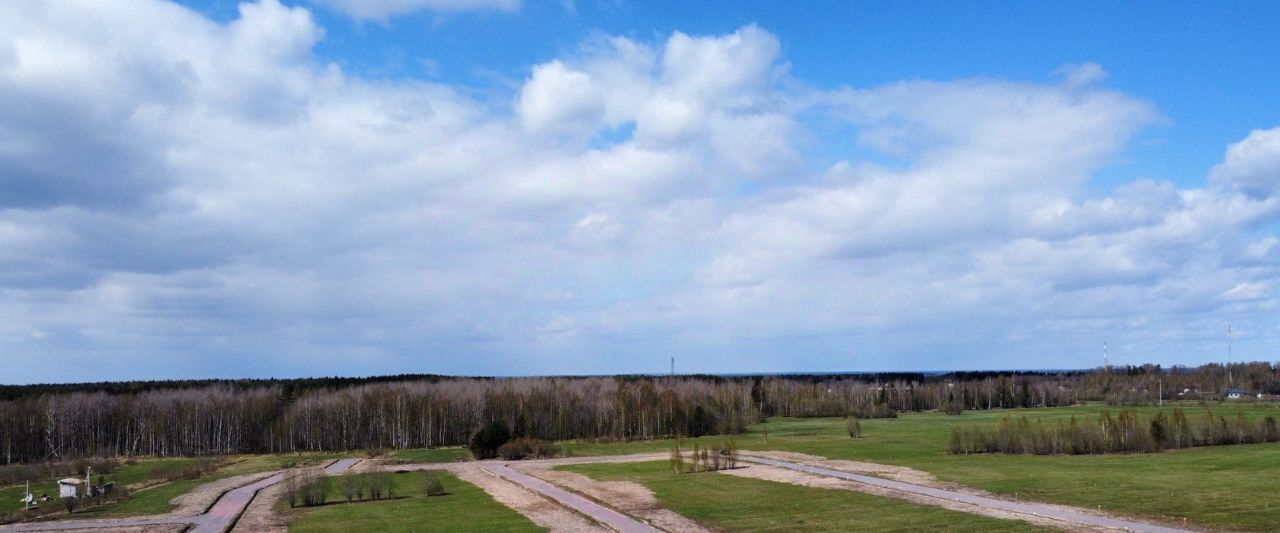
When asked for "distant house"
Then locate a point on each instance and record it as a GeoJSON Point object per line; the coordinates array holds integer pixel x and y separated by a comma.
{"type": "Point", "coordinates": [1189, 392]}
{"type": "Point", "coordinates": [69, 487]}
{"type": "Point", "coordinates": [1233, 394]}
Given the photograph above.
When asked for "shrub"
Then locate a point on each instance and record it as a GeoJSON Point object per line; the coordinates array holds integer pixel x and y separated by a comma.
{"type": "Point", "coordinates": [852, 427]}
{"type": "Point", "coordinates": [527, 449]}
{"type": "Point", "coordinates": [349, 486]}
{"type": "Point", "coordinates": [306, 488]}
{"type": "Point", "coordinates": [431, 486]}
{"type": "Point", "coordinates": [380, 485]}
{"type": "Point", "coordinates": [486, 440]}
{"type": "Point", "coordinates": [878, 410]}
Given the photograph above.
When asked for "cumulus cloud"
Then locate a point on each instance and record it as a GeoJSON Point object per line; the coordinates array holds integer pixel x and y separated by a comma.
{"type": "Point", "coordinates": [1252, 166]}
{"type": "Point", "coordinates": [560, 98]}
{"type": "Point", "coordinates": [213, 195]}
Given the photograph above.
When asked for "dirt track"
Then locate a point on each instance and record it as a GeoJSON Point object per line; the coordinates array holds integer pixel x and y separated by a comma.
{"type": "Point", "coordinates": [1050, 515]}
{"type": "Point", "coordinates": [568, 502]}
{"type": "Point", "coordinates": [599, 513]}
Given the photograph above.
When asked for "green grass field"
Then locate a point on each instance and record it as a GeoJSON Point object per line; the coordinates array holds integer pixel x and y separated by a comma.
{"type": "Point", "coordinates": [464, 508]}
{"type": "Point", "coordinates": [1222, 487]}
{"type": "Point", "coordinates": [732, 503]}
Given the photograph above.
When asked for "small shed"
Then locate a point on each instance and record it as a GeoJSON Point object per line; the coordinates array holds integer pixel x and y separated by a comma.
{"type": "Point", "coordinates": [69, 487]}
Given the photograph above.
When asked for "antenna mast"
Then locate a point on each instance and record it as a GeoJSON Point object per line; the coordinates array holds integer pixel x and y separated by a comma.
{"type": "Point", "coordinates": [1230, 381]}
{"type": "Point", "coordinates": [1106, 362]}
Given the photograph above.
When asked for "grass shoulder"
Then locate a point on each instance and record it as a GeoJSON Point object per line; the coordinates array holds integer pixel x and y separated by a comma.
{"type": "Point", "coordinates": [464, 508]}
{"type": "Point", "coordinates": [731, 503]}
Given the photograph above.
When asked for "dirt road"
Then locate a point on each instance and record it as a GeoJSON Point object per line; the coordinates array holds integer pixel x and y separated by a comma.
{"type": "Point", "coordinates": [1037, 510]}
{"type": "Point", "coordinates": [597, 512]}
{"type": "Point", "coordinates": [217, 519]}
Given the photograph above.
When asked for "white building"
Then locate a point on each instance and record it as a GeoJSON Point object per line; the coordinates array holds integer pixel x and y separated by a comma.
{"type": "Point", "coordinates": [69, 487]}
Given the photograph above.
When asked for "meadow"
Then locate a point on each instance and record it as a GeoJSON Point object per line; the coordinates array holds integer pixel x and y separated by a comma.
{"type": "Point", "coordinates": [731, 503]}
{"type": "Point", "coordinates": [464, 508]}
{"type": "Point", "coordinates": [1219, 487]}
{"type": "Point", "coordinates": [1229, 487]}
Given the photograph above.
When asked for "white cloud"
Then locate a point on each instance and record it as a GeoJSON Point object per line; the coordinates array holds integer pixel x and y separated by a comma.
{"type": "Point", "coordinates": [1252, 166]}
{"type": "Point", "coordinates": [180, 186]}
{"type": "Point", "coordinates": [560, 99]}
{"type": "Point", "coordinates": [1083, 74]}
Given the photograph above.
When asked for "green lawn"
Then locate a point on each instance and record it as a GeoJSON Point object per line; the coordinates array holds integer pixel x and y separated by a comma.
{"type": "Point", "coordinates": [1223, 487]}
{"type": "Point", "coordinates": [464, 508]}
{"type": "Point", "coordinates": [732, 503]}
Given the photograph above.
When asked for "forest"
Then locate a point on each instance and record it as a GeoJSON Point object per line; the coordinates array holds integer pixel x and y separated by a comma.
{"type": "Point", "coordinates": [191, 418]}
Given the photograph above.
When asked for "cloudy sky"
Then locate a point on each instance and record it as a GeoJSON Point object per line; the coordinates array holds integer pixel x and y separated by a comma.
{"type": "Point", "coordinates": [354, 187]}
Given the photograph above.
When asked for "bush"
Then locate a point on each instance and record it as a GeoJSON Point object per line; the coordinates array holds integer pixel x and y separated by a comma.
{"type": "Point", "coordinates": [431, 486]}
{"type": "Point", "coordinates": [953, 406]}
{"type": "Point", "coordinates": [307, 488]}
{"type": "Point", "coordinates": [879, 410]}
{"type": "Point", "coordinates": [349, 484]}
{"type": "Point", "coordinates": [527, 449]}
{"type": "Point", "coordinates": [486, 440]}
{"type": "Point", "coordinates": [852, 427]}
{"type": "Point", "coordinates": [380, 485]}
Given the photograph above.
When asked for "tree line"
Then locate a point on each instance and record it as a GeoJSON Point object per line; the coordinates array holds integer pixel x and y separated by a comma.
{"type": "Point", "coordinates": [1129, 432]}
{"type": "Point", "coordinates": [39, 423]}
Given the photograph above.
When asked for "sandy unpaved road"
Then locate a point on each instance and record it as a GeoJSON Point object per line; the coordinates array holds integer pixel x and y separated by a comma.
{"type": "Point", "coordinates": [217, 519]}
{"type": "Point", "coordinates": [1067, 516]}
{"type": "Point", "coordinates": [597, 512]}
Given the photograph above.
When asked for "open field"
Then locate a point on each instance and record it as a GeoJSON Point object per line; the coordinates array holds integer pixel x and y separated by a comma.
{"type": "Point", "coordinates": [464, 508]}
{"type": "Point", "coordinates": [739, 504]}
{"type": "Point", "coordinates": [1222, 487]}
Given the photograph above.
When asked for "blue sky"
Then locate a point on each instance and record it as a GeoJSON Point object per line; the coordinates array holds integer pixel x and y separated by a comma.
{"type": "Point", "coordinates": [218, 189]}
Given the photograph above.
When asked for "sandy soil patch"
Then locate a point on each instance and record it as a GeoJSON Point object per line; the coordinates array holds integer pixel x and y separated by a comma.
{"type": "Point", "coordinates": [552, 463]}
{"type": "Point", "coordinates": [783, 475]}
{"type": "Point", "coordinates": [201, 497]}
{"type": "Point", "coordinates": [536, 508]}
{"type": "Point", "coordinates": [261, 515]}
{"type": "Point", "coordinates": [631, 498]}
{"type": "Point", "coordinates": [896, 473]}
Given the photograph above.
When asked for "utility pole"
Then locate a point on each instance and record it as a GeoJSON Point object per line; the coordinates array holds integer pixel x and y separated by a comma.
{"type": "Point", "coordinates": [1106, 362]}
{"type": "Point", "coordinates": [673, 367]}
